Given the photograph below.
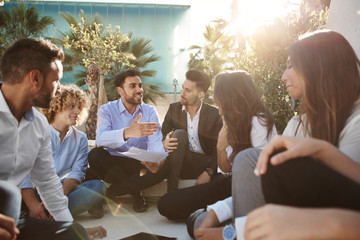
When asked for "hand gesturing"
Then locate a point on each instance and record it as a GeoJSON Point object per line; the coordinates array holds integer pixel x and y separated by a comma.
{"type": "Point", "coordinates": [138, 129]}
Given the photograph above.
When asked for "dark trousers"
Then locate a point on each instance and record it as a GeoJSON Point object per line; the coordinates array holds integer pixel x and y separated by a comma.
{"type": "Point", "coordinates": [182, 163]}
{"type": "Point", "coordinates": [179, 204]}
{"type": "Point", "coordinates": [123, 173]}
{"type": "Point", "coordinates": [308, 183]}
{"type": "Point", "coordinates": [35, 229]}
{"type": "Point", "coordinates": [10, 199]}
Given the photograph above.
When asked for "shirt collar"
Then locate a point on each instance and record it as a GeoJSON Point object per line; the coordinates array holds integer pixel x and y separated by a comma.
{"type": "Point", "coordinates": [184, 108]}
{"type": "Point", "coordinates": [122, 107]}
{"type": "Point", "coordinates": [54, 130]}
{"type": "Point", "coordinates": [4, 107]}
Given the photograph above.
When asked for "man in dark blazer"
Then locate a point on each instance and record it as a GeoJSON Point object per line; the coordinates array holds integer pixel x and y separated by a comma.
{"type": "Point", "coordinates": [190, 131]}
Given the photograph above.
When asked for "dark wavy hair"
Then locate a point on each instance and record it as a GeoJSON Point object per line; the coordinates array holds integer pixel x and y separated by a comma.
{"type": "Point", "coordinates": [330, 69]}
{"type": "Point", "coordinates": [240, 102]}
{"type": "Point", "coordinates": [26, 55]}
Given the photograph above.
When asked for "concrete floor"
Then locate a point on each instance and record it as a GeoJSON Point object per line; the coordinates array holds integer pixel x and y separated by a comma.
{"type": "Point", "coordinates": [122, 221]}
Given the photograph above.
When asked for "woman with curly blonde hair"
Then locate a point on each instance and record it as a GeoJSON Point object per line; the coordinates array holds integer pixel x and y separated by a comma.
{"type": "Point", "coordinates": [70, 151]}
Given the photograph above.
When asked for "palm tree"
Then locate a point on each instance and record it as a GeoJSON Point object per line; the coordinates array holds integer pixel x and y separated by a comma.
{"type": "Point", "coordinates": [210, 58]}
{"type": "Point", "coordinates": [140, 48]}
{"type": "Point", "coordinates": [21, 23]}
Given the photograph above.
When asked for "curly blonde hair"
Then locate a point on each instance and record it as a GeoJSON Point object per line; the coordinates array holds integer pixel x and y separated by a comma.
{"type": "Point", "coordinates": [68, 93]}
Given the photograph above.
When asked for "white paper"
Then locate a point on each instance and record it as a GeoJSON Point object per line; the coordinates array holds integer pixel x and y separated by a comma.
{"type": "Point", "coordinates": [144, 155]}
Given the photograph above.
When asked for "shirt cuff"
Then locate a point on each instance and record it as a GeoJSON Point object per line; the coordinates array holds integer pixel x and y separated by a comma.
{"type": "Point", "coordinates": [240, 227]}
{"type": "Point", "coordinates": [222, 210]}
{"type": "Point", "coordinates": [64, 216]}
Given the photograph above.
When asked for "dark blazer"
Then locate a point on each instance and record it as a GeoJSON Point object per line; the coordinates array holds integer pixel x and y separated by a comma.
{"type": "Point", "coordinates": [209, 126]}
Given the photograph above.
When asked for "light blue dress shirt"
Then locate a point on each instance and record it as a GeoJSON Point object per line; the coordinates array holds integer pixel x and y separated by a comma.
{"type": "Point", "coordinates": [113, 118]}
{"type": "Point", "coordinates": [70, 157]}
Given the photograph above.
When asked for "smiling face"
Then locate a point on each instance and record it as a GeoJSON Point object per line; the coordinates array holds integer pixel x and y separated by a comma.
{"type": "Point", "coordinates": [131, 92]}
{"type": "Point", "coordinates": [69, 116]}
{"type": "Point", "coordinates": [190, 94]}
{"type": "Point", "coordinates": [293, 80]}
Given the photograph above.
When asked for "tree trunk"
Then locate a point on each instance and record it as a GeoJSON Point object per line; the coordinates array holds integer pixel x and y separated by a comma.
{"type": "Point", "coordinates": [102, 93]}
{"type": "Point", "coordinates": [91, 80]}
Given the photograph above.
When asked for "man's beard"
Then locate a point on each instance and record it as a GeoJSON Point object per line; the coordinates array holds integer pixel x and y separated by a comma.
{"type": "Point", "coordinates": [131, 100]}
{"type": "Point", "coordinates": [43, 98]}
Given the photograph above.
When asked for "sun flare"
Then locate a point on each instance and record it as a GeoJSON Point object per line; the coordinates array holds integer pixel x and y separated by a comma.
{"type": "Point", "coordinates": [250, 14]}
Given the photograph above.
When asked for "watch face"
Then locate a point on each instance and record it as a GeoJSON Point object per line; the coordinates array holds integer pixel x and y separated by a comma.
{"type": "Point", "coordinates": [229, 232]}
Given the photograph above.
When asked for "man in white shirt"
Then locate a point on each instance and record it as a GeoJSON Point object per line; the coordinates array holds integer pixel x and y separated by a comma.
{"type": "Point", "coordinates": [190, 130]}
{"type": "Point", "coordinates": [31, 73]}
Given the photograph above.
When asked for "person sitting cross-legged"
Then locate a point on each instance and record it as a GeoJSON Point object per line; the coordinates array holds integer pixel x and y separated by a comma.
{"type": "Point", "coordinates": [122, 124]}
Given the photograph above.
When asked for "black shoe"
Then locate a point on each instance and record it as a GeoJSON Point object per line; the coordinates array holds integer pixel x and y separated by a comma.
{"type": "Point", "coordinates": [97, 211]}
{"type": "Point", "coordinates": [140, 204]}
{"type": "Point", "coordinates": [190, 221]}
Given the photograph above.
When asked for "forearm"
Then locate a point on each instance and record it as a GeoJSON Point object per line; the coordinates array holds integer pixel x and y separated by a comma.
{"type": "Point", "coordinates": [345, 224]}
{"type": "Point", "coordinates": [29, 197]}
{"type": "Point", "coordinates": [69, 185]}
{"type": "Point", "coordinates": [335, 159]}
{"type": "Point", "coordinates": [211, 220]}
{"type": "Point", "coordinates": [223, 161]}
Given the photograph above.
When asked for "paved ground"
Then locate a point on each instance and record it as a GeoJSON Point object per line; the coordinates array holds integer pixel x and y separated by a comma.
{"type": "Point", "coordinates": [121, 221]}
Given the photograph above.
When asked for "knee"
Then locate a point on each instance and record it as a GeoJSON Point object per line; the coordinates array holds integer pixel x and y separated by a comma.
{"type": "Point", "coordinates": [246, 160]}
{"type": "Point", "coordinates": [9, 191]}
{"type": "Point", "coordinates": [167, 207]}
{"type": "Point", "coordinates": [97, 186]}
{"type": "Point", "coordinates": [164, 206]}
{"type": "Point", "coordinates": [95, 155]}
{"type": "Point", "coordinates": [181, 135]}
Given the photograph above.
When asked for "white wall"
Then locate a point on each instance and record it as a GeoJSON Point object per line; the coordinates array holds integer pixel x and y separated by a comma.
{"type": "Point", "coordinates": [344, 17]}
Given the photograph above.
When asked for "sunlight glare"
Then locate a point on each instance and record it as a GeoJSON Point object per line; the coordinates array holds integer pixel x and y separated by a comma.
{"type": "Point", "coordinates": [255, 13]}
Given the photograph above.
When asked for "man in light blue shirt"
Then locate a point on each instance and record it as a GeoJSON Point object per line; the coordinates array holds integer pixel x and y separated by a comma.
{"type": "Point", "coordinates": [70, 151]}
{"type": "Point", "coordinates": [122, 124]}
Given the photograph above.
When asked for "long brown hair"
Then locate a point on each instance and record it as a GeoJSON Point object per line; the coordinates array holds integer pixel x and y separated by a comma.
{"type": "Point", "coordinates": [240, 102]}
{"type": "Point", "coordinates": [330, 70]}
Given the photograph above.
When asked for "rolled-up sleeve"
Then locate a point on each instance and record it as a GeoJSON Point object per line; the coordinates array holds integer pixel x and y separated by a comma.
{"type": "Point", "coordinates": [223, 209]}
{"type": "Point", "coordinates": [105, 135]}
{"type": "Point", "coordinates": [26, 183]}
{"type": "Point", "coordinates": [44, 178]}
{"type": "Point", "coordinates": [154, 141]}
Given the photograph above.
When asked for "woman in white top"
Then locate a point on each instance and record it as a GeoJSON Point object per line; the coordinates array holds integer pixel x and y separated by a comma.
{"type": "Point", "coordinates": [323, 72]}
{"type": "Point", "coordinates": [247, 124]}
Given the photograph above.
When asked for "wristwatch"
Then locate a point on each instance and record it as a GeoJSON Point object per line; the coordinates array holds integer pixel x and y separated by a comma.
{"type": "Point", "coordinates": [209, 171]}
{"type": "Point", "coordinates": [229, 232]}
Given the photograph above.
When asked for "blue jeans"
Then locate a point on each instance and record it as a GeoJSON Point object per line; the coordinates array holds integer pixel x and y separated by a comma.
{"type": "Point", "coordinates": [85, 196]}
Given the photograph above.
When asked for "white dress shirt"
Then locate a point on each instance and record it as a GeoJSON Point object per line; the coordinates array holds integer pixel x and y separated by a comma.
{"type": "Point", "coordinates": [193, 131]}
{"type": "Point", "coordinates": [224, 208]}
{"type": "Point", "coordinates": [25, 148]}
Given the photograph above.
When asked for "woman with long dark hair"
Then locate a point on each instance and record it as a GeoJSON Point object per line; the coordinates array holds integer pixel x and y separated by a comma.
{"type": "Point", "coordinates": [247, 123]}
{"type": "Point", "coordinates": [323, 73]}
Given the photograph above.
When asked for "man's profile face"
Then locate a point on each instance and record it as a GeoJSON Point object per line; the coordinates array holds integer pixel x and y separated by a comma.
{"type": "Point", "coordinates": [50, 87]}
{"type": "Point", "coordinates": [131, 92]}
{"type": "Point", "coordinates": [190, 93]}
